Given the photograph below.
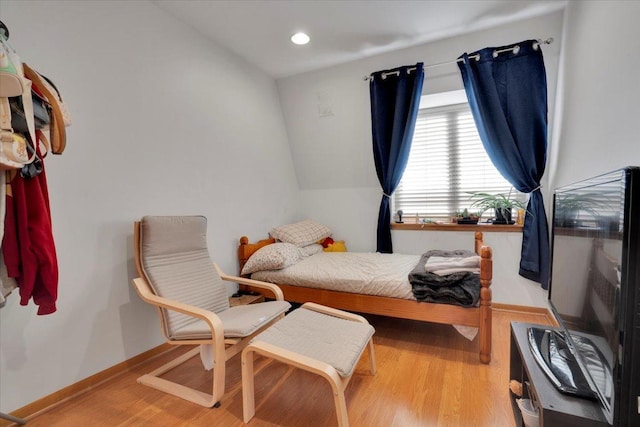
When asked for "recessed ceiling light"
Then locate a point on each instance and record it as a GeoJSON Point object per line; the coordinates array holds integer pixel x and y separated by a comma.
{"type": "Point", "coordinates": [300, 38]}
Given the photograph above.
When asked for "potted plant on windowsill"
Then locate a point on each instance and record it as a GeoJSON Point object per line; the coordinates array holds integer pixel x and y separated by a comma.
{"type": "Point", "coordinates": [502, 204]}
{"type": "Point", "coordinates": [465, 217]}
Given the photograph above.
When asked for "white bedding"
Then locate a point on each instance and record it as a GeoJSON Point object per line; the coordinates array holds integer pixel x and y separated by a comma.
{"type": "Point", "coordinates": [356, 272]}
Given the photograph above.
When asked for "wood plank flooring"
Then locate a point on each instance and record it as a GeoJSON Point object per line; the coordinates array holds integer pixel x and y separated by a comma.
{"type": "Point", "coordinates": [428, 375]}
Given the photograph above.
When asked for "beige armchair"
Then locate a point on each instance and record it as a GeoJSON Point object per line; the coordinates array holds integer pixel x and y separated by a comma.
{"type": "Point", "coordinates": [179, 278]}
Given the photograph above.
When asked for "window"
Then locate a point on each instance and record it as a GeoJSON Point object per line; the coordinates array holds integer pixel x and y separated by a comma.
{"type": "Point", "coordinates": [447, 162]}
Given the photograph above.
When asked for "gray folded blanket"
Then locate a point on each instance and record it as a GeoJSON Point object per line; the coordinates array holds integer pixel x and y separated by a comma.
{"type": "Point", "coordinates": [462, 288]}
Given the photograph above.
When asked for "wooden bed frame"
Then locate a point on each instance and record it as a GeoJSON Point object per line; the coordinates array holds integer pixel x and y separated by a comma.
{"type": "Point", "coordinates": [479, 317]}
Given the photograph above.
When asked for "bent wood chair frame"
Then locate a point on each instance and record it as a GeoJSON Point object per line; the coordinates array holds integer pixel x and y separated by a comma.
{"type": "Point", "coordinates": [223, 348]}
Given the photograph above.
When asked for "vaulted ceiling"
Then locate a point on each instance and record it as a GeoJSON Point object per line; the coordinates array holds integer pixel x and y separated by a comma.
{"type": "Point", "coordinates": [340, 30]}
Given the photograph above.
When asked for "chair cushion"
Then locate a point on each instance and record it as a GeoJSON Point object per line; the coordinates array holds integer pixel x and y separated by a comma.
{"type": "Point", "coordinates": [238, 322]}
{"type": "Point", "coordinates": [176, 262]}
{"type": "Point", "coordinates": [335, 341]}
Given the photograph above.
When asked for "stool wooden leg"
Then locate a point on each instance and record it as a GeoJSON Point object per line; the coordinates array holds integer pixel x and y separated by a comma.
{"type": "Point", "coordinates": [248, 393]}
{"type": "Point", "coordinates": [341, 406]}
{"type": "Point", "coordinates": [372, 358]}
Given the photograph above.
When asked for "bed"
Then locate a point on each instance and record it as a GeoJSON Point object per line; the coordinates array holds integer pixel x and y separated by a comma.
{"type": "Point", "coordinates": [353, 292]}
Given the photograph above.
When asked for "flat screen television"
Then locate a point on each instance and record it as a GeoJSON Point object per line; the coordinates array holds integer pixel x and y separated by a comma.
{"type": "Point", "coordinates": [594, 294]}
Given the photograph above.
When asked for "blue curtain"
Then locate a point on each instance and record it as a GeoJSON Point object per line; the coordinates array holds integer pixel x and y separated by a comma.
{"type": "Point", "coordinates": [395, 98]}
{"type": "Point", "coordinates": [507, 92]}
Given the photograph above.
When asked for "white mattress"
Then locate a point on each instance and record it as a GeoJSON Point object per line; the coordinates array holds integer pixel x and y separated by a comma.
{"type": "Point", "coordinates": [355, 272]}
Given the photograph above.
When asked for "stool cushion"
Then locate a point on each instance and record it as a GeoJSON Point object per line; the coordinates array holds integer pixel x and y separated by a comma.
{"type": "Point", "coordinates": [332, 340]}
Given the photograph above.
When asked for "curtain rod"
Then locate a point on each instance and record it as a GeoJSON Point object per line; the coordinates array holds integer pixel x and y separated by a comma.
{"type": "Point", "coordinates": [515, 49]}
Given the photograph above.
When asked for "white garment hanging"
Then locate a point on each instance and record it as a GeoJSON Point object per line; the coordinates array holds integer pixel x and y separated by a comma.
{"type": "Point", "coordinates": [7, 284]}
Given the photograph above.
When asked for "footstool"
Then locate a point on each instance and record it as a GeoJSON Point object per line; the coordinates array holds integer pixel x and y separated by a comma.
{"type": "Point", "coordinates": [318, 339]}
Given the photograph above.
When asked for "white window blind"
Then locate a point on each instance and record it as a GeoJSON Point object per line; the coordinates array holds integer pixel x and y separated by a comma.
{"type": "Point", "coordinates": [446, 163]}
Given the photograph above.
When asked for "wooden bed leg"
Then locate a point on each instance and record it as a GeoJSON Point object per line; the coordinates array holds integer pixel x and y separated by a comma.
{"type": "Point", "coordinates": [485, 331]}
{"type": "Point", "coordinates": [485, 304]}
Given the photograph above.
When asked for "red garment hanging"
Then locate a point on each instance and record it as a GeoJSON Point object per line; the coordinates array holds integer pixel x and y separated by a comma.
{"type": "Point", "coordinates": [28, 246]}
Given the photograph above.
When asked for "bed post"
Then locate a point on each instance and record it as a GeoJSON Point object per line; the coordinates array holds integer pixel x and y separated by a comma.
{"type": "Point", "coordinates": [242, 256]}
{"type": "Point", "coordinates": [486, 275]}
{"type": "Point", "coordinates": [246, 249]}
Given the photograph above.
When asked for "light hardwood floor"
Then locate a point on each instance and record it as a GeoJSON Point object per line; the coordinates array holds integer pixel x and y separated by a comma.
{"type": "Point", "coordinates": [428, 375]}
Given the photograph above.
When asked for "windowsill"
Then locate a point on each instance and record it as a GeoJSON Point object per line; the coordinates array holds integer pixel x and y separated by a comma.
{"type": "Point", "coordinates": [458, 227]}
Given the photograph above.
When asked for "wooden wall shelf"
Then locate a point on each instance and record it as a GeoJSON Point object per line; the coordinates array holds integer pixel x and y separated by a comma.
{"type": "Point", "coordinates": [458, 227]}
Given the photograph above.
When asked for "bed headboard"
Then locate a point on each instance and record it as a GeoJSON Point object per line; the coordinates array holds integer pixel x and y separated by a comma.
{"type": "Point", "coordinates": [246, 249]}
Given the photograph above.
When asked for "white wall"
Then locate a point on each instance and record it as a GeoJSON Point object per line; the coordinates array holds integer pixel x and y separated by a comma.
{"type": "Point", "coordinates": [140, 85]}
{"type": "Point", "coordinates": [164, 122]}
{"type": "Point", "coordinates": [599, 110]}
{"type": "Point", "coordinates": [328, 121]}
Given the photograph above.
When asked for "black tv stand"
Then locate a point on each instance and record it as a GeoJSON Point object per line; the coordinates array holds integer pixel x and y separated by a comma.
{"type": "Point", "coordinates": [554, 407]}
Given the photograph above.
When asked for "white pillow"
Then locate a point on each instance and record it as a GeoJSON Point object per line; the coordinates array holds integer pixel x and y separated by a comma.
{"type": "Point", "coordinates": [301, 233]}
{"type": "Point", "coordinates": [311, 249]}
{"type": "Point", "coordinates": [272, 257]}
